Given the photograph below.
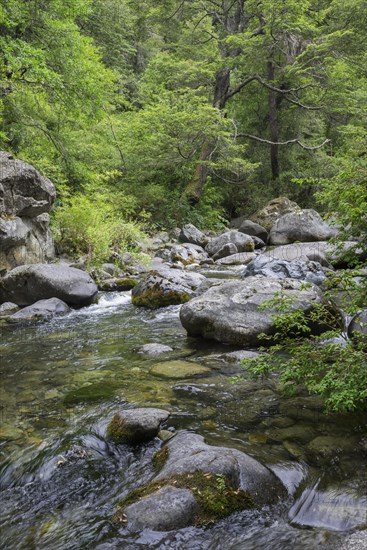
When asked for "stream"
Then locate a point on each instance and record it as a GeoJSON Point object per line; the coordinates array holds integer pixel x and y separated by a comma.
{"type": "Point", "coordinates": [61, 479]}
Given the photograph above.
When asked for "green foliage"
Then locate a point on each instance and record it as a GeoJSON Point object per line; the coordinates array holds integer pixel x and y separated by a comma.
{"type": "Point", "coordinates": [335, 371]}
{"type": "Point", "coordinates": [88, 225]}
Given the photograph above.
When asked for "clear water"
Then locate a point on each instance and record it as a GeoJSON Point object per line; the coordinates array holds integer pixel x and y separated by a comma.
{"type": "Point", "coordinates": [61, 479]}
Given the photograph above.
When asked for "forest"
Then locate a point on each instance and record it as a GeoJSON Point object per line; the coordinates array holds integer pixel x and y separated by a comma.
{"type": "Point", "coordinates": [199, 109]}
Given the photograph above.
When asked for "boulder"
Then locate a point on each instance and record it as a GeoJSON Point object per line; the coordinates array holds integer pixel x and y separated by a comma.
{"type": "Point", "coordinates": [185, 253]}
{"type": "Point", "coordinates": [153, 349]}
{"type": "Point", "coordinates": [8, 308]}
{"type": "Point", "coordinates": [303, 226]}
{"type": "Point", "coordinates": [29, 283]}
{"type": "Point", "coordinates": [317, 252]}
{"type": "Point", "coordinates": [164, 510]}
{"type": "Point", "coordinates": [253, 229]}
{"type": "Point", "coordinates": [43, 309]}
{"type": "Point", "coordinates": [191, 234]}
{"type": "Point", "coordinates": [310, 272]}
{"type": "Point", "coordinates": [136, 425]}
{"type": "Point", "coordinates": [166, 287]}
{"type": "Point", "coordinates": [243, 242]}
{"type": "Point", "coordinates": [228, 312]}
{"type": "Point", "coordinates": [188, 453]}
{"type": "Point", "coordinates": [271, 212]}
{"type": "Point", "coordinates": [23, 191]}
{"type": "Point", "coordinates": [241, 258]}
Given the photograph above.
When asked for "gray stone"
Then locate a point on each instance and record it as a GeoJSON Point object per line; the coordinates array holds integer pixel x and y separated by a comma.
{"type": "Point", "coordinates": [243, 242]}
{"type": "Point", "coordinates": [272, 211]}
{"type": "Point", "coordinates": [309, 271]}
{"type": "Point", "coordinates": [153, 349]}
{"type": "Point", "coordinates": [242, 258]}
{"type": "Point", "coordinates": [43, 309]}
{"type": "Point", "coordinates": [191, 234]}
{"type": "Point", "coordinates": [136, 425]}
{"type": "Point", "coordinates": [23, 191]}
{"type": "Point", "coordinates": [29, 283]}
{"type": "Point", "coordinates": [317, 252]}
{"type": "Point", "coordinates": [189, 453]}
{"type": "Point", "coordinates": [253, 229]}
{"type": "Point", "coordinates": [166, 509]}
{"type": "Point", "coordinates": [227, 250]}
{"type": "Point", "coordinates": [239, 356]}
{"type": "Point", "coordinates": [166, 287]}
{"type": "Point", "coordinates": [303, 226]}
{"type": "Point", "coordinates": [8, 308]}
{"type": "Point", "coordinates": [228, 312]}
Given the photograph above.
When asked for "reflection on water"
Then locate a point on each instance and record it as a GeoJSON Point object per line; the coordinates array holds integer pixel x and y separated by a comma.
{"type": "Point", "coordinates": [61, 479]}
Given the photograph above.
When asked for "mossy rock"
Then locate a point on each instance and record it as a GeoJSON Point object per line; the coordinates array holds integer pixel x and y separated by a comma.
{"type": "Point", "coordinates": [119, 285]}
{"type": "Point", "coordinates": [216, 496]}
{"type": "Point", "coordinates": [136, 426]}
{"type": "Point", "coordinates": [90, 394]}
{"type": "Point", "coordinates": [160, 458]}
{"type": "Point", "coordinates": [155, 297]}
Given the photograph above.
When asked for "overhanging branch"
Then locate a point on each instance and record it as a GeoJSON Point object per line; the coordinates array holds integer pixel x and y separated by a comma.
{"type": "Point", "coordinates": [288, 142]}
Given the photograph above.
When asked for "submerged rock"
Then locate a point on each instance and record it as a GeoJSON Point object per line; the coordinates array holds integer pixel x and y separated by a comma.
{"type": "Point", "coordinates": [136, 425]}
{"type": "Point", "coordinates": [229, 312]}
{"type": "Point", "coordinates": [153, 349]}
{"type": "Point", "coordinates": [43, 309]}
{"type": "Point", "coordinates": [178, 369]}
{"type": "Point", "coordinates": [29, 283]}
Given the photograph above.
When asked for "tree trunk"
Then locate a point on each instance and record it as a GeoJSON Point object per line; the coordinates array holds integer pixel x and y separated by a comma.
{"type": "Point", "coordinates": [273, 125]}
{"type": "Point", "coordinates": [194, 189]}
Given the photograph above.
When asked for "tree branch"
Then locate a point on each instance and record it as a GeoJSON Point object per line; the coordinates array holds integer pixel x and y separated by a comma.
{"type": "Point", "coordinates": [288, 142]}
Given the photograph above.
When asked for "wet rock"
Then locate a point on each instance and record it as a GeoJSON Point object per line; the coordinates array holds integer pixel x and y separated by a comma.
{"type": "Point", "coordinates": [153, 349]}
{"type": "Point", "coordinates": [93, 393]}
{"type": "Point", "coordinates": [43, 309]}
{"type": "Point", "coordinates": [136, 425]}
{"type": "Point", "coordinates": [189, 453]}
{"type": "Point", "coordinates": [191, 234]}
{"type": "Point", "coordinates": [309, 271]}
{"type": "Point", "coordinates": [178, 369]}
{"type": "Point", "coordinates": [276, 208]}
{"type": "Point", "coordinates": [243, 243]}
{"type": "Point", "coordinates": [325, 446]}
{"type": "Point", "coordinates": [29, 283]}
{"type": "Point", "coordinates": [166, 509]}
{"type": "Point", "coordinates": [166, 287]}
{"type": "Point", "coordinates": [8, 308]}
{"type": "Point", "coordinates": [303, 226]}
{"type": "Point", "coordinates": [228, 312]}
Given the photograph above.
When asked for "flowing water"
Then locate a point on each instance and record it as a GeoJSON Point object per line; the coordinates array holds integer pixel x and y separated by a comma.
{"type": "Point", "coordinates": [61, 480]}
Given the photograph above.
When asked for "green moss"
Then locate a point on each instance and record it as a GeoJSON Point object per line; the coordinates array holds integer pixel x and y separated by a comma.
{"type": "Point", "coordinates": [160, 458]}
{"type": "Point", "coordinates": [215, 494]}
{"type": "Point", "coordinates": [155, 297]}
{"type": "Point", "coordinates": [117, 431]}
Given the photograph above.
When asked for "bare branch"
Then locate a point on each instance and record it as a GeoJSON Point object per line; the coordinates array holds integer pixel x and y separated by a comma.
{"type": "Point", "coordinates": [288, 142]}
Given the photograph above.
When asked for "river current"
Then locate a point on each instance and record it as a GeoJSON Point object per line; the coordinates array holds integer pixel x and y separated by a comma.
{"type": "Point", "coordinates": [61, 479]}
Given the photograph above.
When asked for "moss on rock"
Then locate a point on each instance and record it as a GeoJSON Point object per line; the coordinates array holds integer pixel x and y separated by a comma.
{"type": "Point", "coordinates": [160, 458]}
{"type": "Point", "coordinates": [215, 494]}
{"type": "Point", "coordinates": [155, 297]}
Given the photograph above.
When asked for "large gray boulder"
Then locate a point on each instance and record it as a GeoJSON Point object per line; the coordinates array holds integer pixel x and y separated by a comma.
{"type": "Point", "coordinates": [317, 251]}
{"type": "Point", "coordinates": [41, 310]}
{"type": "Point", "coordinates": [23, 191]}
{"type": "Point", "coordinates": [271, 212]}
{"type": "Point", "coordinates": [253, 229]}
{"type": "Point", "coordinates": [191, 234]}
{"type": "Point", "coordinates": [25, 199]}
{"type": "Point", "coordinates": [303, 226]}
{"type": "Point", "coordinates": [243, 242]}
{"type": "Point", "coordinates": [27, 284]}
{"type": "Point", "coordinates": [188, 453]}
{"type": "Point", "coordinates": [228, 312]}
{"type": "Point", "coordinates": [166, 287]}
{"type": "Point", "coordinates": [309, 271]}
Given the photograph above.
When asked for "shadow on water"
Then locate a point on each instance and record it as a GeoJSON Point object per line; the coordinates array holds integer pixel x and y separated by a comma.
{"type": "Point", "coordinates": [61, 480]}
